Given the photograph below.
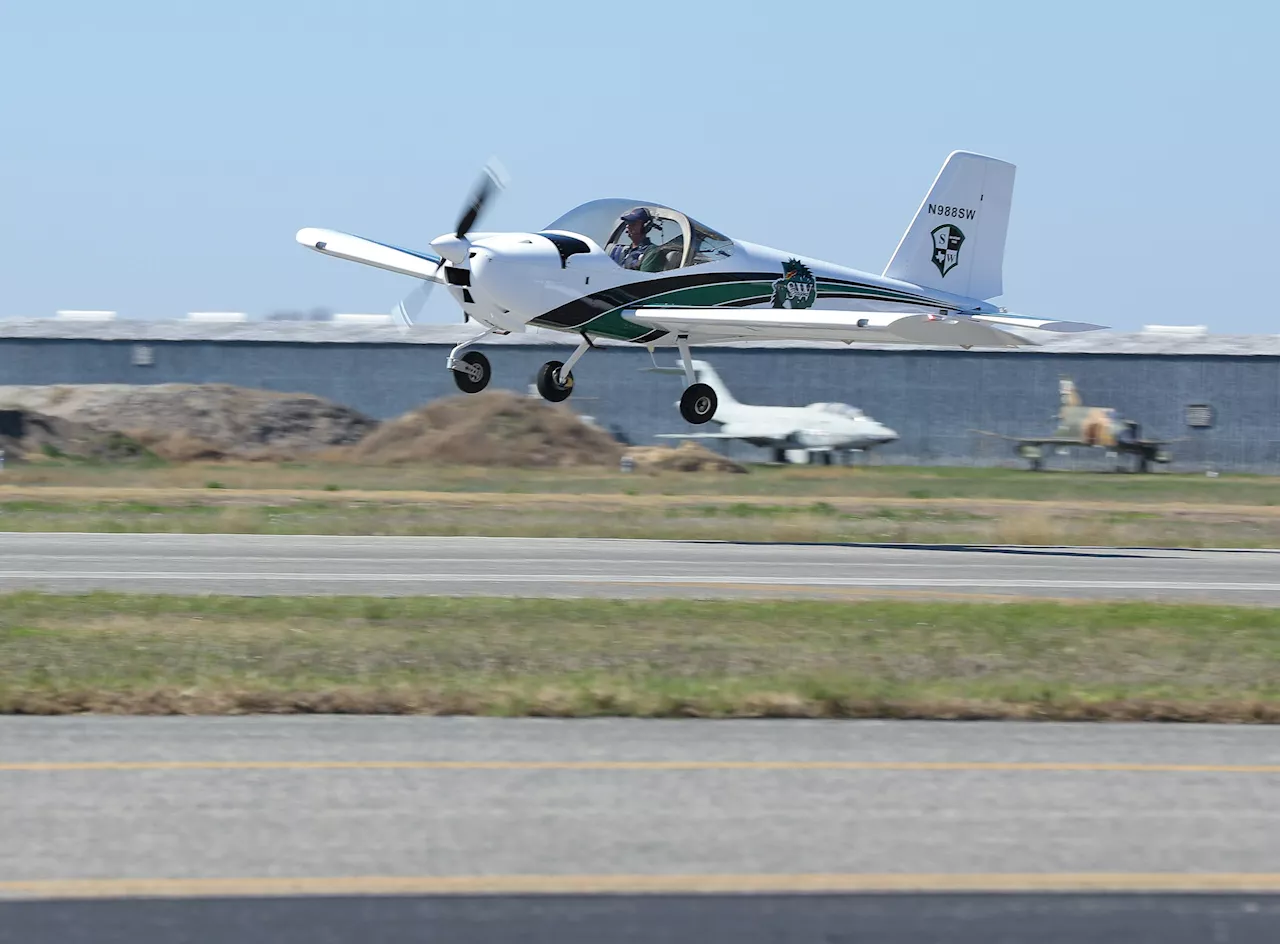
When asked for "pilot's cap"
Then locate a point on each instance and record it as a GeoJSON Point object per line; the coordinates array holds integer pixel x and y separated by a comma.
{"type": "Point", "coordinates": [639, 214]}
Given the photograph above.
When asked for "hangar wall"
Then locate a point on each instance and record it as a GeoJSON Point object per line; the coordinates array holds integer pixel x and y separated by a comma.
{"type": "Point", "coordinates": [932, 398]}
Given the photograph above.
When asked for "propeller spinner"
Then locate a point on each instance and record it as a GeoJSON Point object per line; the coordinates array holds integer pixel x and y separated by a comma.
{"type": "Point", "coordinates": [454, 247]}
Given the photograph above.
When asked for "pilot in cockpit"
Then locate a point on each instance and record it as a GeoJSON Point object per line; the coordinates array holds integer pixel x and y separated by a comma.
{"type": "Point", "coordinates": [639, 221]}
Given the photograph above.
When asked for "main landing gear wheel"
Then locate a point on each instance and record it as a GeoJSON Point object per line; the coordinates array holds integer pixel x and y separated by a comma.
{"type": "Point", "coordinates": [698, 403]}
{"type": "Point", "coordinates": [472, 373]}
{"type": "Point", "coordinates": [548, 384]}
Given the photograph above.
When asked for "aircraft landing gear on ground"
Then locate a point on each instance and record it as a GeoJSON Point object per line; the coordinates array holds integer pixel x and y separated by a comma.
{"type": "Point", "coordinates": [698, 403]}
{"type": "Point", "coordinates": [472, 372]}
{"type": "Point", "coordinates": [549, 383]}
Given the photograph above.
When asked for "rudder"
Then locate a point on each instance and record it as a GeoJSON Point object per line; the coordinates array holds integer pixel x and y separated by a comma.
{"type": "Point", "coordinates": [956, 241]}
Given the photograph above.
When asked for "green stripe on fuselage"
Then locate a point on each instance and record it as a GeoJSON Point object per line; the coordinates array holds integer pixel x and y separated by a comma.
{"type": "Point", "coordinates": [611, 324]}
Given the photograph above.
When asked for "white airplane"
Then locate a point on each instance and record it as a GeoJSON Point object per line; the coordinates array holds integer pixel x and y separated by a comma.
{"type": "Point", "coordinates": [638, 271]}
{"type": "Point", "coordinates": [824, 428]}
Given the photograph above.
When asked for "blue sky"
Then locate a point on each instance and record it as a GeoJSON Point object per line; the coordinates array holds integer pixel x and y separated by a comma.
{"type": "Point", "coordinates": [159, 157]}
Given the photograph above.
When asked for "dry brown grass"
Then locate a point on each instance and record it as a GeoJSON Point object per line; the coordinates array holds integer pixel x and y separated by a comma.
{"type": "Point", "coordinates": [620, 700]}
{"type": "Point", "coordinates": [491, 428]}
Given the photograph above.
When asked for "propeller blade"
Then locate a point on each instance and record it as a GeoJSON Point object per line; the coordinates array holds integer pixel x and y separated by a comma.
{"type": "Point", "coordinates": [493, 178]}
{"type": "Point", "coordinates": [412, 304]}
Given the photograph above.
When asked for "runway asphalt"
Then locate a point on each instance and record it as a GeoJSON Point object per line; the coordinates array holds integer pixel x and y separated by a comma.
{"type": "Point", "coordinates": [257, 564]}
{"type": "Point", "coordinates": [321, 828]}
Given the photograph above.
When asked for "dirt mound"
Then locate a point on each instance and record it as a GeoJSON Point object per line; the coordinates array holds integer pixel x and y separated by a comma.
{"type": "Point", "coordinates": [28, 436]}
{"type": "Point", "coordinates": [182, 422]}
{"type": "Point", "coordinates": [491, 428]}
{"type": "Point", "coordinates": [687, 457]}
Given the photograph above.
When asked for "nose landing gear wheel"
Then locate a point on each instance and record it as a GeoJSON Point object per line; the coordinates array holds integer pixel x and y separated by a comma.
{"type": "Point", "coordinates": [473, 374]}
{"type": "Point", "coordinates": [698, 403]}
{"type": "Point", "coordinates": [551, 388]}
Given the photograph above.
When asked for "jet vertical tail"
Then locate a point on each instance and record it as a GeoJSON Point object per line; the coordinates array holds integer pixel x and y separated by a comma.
{"type": "Point", "coordinates": [956, 242]}
{"type": "Point", "coordinates": [707, 374]}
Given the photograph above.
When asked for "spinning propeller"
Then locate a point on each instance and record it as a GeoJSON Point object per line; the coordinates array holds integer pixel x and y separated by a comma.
{"type": "Point", "coordinates": [454, 247]}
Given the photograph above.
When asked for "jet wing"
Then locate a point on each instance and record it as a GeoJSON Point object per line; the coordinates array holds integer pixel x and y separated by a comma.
{"type": "Point", "coordinates": [878, 327]}
{"type": "Point", "coordinates": [421, 265]}
{"type": "Point", "coordinates": [1031, 440]}
{"type": "Point", "coordinates": [695, 436]}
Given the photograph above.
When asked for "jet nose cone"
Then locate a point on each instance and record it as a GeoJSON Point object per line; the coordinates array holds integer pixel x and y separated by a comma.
{"type": "Point", "coordinates": [885, 435]}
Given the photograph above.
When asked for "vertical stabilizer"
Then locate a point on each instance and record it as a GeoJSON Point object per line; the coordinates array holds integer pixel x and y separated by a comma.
{"type": "Point", "coordinates": [707, 374]}
{"type": "Point", "coordinates": [956, 242]}
{"type": "Point", "coordinates": [1068, 395]}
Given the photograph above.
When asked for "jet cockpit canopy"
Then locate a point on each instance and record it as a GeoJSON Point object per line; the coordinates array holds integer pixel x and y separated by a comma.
{"type": "Point", "coordinates": [680, 240]}
{"type": "Point", "coordinates": [840, 409]}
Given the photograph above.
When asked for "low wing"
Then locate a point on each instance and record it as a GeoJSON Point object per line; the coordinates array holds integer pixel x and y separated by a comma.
{"type": "Point", "coordinates": [421, 265]}
{"type": "Point", "coordinates": [1060, 441]}
{"type": "Point", "coordinates": [695, 436]}
{"type": "Point", "coordinates": [1031, 440]}
{"type": "Point", "coordinates": [729, 324]}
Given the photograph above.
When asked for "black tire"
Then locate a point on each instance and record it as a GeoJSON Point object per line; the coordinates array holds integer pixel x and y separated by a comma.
{"type": "Point", "coordinates": [550, 388]}
{"type": "Point", "coordinates": [698, 403]}
{"type": "Point", "coordinates": [465, 382]}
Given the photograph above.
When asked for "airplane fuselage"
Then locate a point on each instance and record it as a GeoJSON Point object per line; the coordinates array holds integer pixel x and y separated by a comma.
{"type": "Point", "coordinates": [804, 428]}
{"type": "Point", "coordinates": [522, 279]}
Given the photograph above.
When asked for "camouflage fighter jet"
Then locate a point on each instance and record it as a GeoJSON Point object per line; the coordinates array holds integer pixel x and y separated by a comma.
{"type": "Point", "coordinates": [1092, 426]}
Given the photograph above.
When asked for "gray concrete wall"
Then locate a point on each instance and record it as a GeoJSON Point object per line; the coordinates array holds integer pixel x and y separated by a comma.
{"type": "Point", "coordinates": [932, 398]}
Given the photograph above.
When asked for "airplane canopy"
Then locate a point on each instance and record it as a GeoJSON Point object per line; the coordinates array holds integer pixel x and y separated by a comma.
{"type": "Point", "coordinates": [840, 409]}
{"type": "Point", "coordinates": [680, 239]}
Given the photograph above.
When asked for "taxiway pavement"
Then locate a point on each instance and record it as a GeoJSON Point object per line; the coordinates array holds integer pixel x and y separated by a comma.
{"type": "Point", "coordinates": [425, 800]}
{"type": "Point", "coordinates": [547, 567]}
{"type": "Point", "coordinates": [353, 828]}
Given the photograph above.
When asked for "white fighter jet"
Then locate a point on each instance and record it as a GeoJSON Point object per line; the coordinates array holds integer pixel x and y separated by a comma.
{"type": "Point", "coordinates": [822, 428]}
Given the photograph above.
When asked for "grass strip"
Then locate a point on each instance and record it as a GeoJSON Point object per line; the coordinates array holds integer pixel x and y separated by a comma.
{"type": "Point", "coordinates": [865, 481]}
{"type": "Point", "coordinates": [153, 654]}
{"type": "Point", "coordinates": [783, 519]}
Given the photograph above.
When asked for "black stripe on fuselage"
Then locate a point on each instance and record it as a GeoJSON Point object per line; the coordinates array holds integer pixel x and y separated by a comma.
{"type": "Point", "coordinates": [582, 311]}
{"type": "Point", "coordinates": [578, 312]}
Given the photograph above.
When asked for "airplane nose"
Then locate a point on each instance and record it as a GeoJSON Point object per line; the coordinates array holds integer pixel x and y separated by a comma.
{"type": "Point", "coordinates": [511, 270]}
{"type": "Point", "coordinates": [885, 435]}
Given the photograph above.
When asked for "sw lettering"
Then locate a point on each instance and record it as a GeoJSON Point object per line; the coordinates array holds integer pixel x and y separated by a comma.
{"type": "Point", "coordinates": [938, 209]}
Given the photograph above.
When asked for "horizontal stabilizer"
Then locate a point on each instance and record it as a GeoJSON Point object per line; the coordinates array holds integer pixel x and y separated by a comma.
{"type": "Point", "coordinates": [873, 327]}
{"type": "Point", "coordinates": [1039, 324]}
{"type": "Point", "coordinates": [422, 265]}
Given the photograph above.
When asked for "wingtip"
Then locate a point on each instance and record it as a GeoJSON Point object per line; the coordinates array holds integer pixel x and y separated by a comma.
{"type": "Point", "coordinates": [312, 237]}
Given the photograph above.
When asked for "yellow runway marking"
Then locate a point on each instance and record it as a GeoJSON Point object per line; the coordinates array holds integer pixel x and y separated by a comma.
{"type": "Point", "coordinates": [640, 765]}
{"type": "Point", "coordinates": [643, 884]}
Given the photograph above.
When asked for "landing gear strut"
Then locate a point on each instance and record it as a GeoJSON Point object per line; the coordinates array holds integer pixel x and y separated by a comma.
{"type": "Point", "coordinates": [698, 402]}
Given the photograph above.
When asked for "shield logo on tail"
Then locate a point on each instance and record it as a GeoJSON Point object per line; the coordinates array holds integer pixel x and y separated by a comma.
{"type": "Point", "coordinates": [946, 247]}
